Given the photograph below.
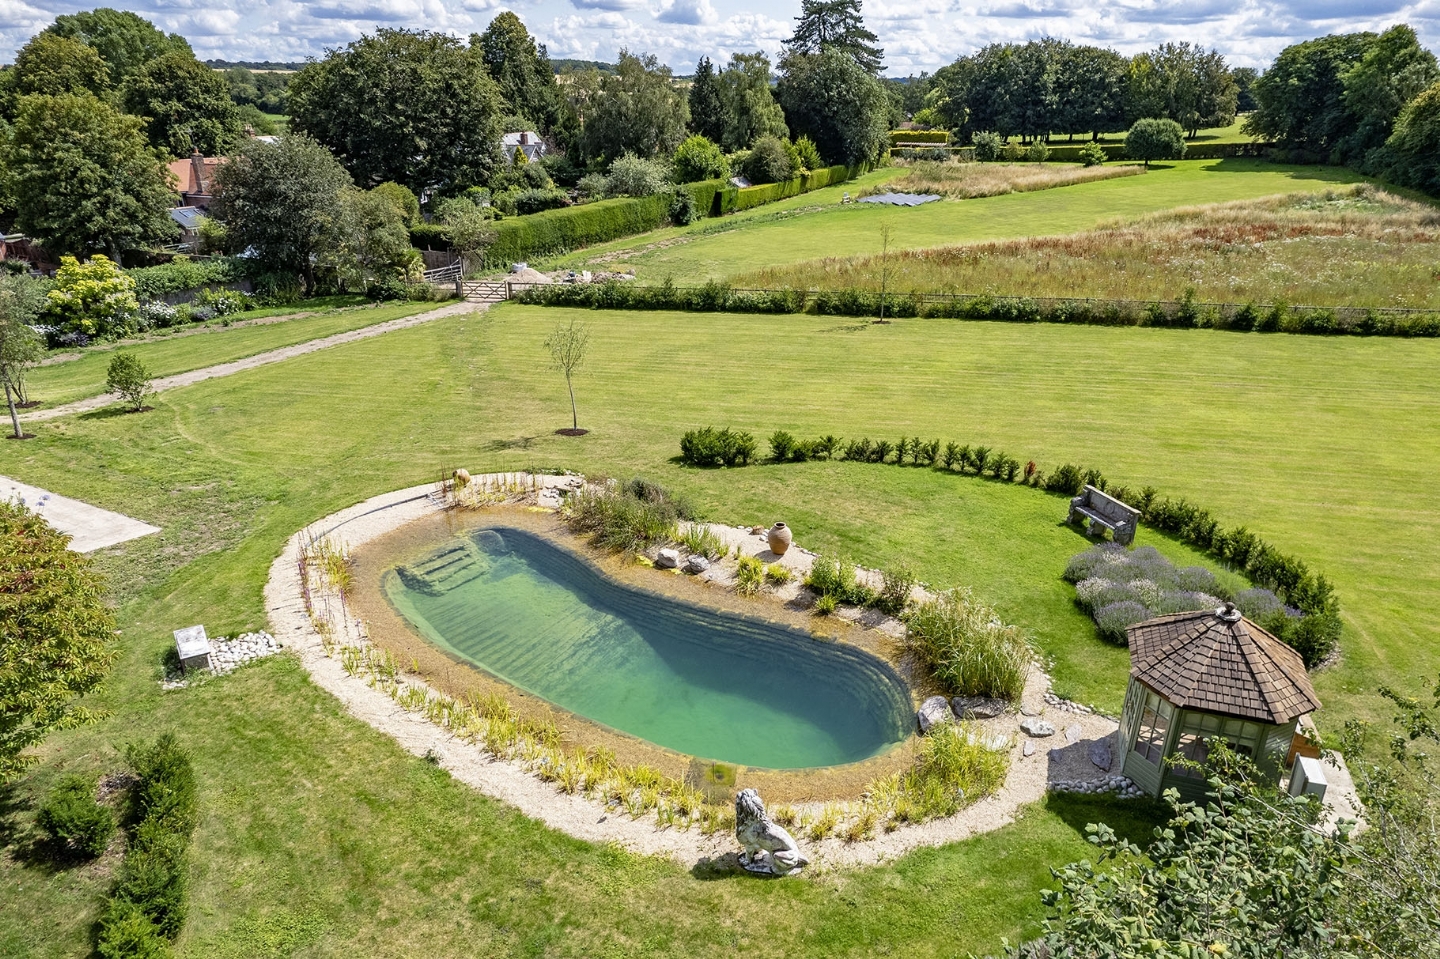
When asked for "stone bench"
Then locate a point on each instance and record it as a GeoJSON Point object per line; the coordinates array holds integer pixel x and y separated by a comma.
{"type": "Point", "coordinates": [1104, 512]}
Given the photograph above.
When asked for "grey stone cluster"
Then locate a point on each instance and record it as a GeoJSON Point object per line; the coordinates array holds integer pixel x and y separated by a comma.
{"type": "Point", "coordinates": [1121, 786]}
{"type": "Point", "coordinates": [937, 710]}
{"type": "Point", "coordinates": [1065, 705]}
{"type": "Point", "coordinates": [227, 654]}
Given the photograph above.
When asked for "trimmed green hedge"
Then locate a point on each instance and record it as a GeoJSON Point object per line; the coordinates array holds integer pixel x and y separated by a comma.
{"type": "Point", "coordinates": [182, 274]}
{"type": "Point", "coordinates": [898, 137]}
{"type": "Point", "coordinates": [710, 196]}
{"type": "Point", "coordinates": [559, 231]}
{"type": "Point", "coordinates": [753, 196]}
{"type": "Point", "coordinates": [1070, 152]}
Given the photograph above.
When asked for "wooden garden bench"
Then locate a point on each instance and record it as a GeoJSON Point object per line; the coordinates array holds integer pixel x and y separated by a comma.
{"type": "Point", "coordinates": [1105, 512]}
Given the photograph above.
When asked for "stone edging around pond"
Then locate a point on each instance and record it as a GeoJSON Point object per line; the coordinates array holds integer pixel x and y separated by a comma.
{"type": "Point", "coordinates": [511, 782]}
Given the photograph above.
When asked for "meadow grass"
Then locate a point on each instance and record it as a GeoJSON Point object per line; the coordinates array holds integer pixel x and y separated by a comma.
{"type": "Point", "coordinates": [1348, 247]}
{"type": "Point", "coordinates": [967, 181]}
{"type": "Point", "coordinates": [319, 835]}
{"type": "Point", "coordinates": [194, 348]}
{"type": "Point", "coordinates": [698, 252]}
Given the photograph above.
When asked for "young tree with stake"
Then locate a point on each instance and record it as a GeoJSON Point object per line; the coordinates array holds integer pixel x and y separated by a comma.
{"type": "Point", "coordinates": [567, 345]}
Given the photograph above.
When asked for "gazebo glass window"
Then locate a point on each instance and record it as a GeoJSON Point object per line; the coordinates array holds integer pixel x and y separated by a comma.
{"type": "Point", "coordinates": [1243, 737]}
{"type": "Point", "coordinates": [1154, 726]}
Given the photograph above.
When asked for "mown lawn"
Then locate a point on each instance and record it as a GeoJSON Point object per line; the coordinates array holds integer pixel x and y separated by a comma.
{"type": "Point", "coordinates": [320, 838]}
{"type": "Point", "coordinates": [846, 230]}
{"type": "Point", "coordinates": [186, 350]}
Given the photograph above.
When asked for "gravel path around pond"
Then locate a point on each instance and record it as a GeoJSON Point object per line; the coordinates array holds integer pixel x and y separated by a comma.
{"type": "Point", "coordinates": [261, 359]}
{"type": "Point", "coordinates": [1063, 756]}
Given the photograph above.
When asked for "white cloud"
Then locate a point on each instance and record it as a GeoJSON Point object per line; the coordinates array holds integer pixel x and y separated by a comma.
{"type": "Point", "coordinates": [692, 12]}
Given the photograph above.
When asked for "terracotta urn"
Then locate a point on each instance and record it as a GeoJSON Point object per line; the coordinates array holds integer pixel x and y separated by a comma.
{"type": "Point", "coordinates": [780, 539]}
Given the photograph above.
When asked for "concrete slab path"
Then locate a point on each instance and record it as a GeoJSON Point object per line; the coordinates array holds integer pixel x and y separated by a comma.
{"type": "Point", "coordinates": [90, 527]}
{"type": "Point", "coordinates": [260, 359]}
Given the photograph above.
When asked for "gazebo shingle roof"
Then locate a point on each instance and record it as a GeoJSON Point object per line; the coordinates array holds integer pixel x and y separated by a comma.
{"type": "Point", "coordinates": [1218, 661]}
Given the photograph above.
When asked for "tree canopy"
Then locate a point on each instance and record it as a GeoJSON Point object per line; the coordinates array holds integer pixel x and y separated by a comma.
{"type": "Point", "coordinates": [1394, 70]}
{"type": "Point", "coordinates": [836, 102]}
{"type": "Point", "coordinates": [520, 68]}
{"type": "Point", "coordinates": [51, 65]}
{"type": "Point", "coordinates": [187, 105]}
{"type": "Point", "coordinates": [750, 108]}
{"type": "Point", "coordinates": [414, 107]}
{"type": "Point", "coordinates": [707, 107]}
{"type": "Point", "coordinates": [282, 202]}
{"type": "Point", "coordinates": [1300, 99]}
{"type": "Point", "coordinates": [56, 635]}
{"type": "Point", "coordinates": [835, 25]}
{"type": "Point", "coordinates": [1416, 142]}
{"type": "Point", "coordinates": [635, 110]}
{"type": "Point", "coordinates": [124, 40]}
{"type": "Point", "coordinates": [84, 178]}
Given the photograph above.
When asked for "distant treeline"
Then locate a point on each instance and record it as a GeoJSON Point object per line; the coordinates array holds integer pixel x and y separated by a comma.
{"type": "Point", "coordinates": [253, 65]}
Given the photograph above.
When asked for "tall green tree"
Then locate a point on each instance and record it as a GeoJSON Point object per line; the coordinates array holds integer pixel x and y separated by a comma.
{"type": "Point", "coordinates": [1394, 70]}
{"type": "Point", "coordinates": [84, 178]}
{"type": "Point", "coordinates": [186, 105]}
{"type": "Point", "coordinates": [56, 635]}
{"type": "Point", "coordinates": [836, 102]}
{"type": "Point", "coordinates": [750, 108]}
{"type": "Point", "coordinates": [282, 202]}
{"type": "Point", "coordinates": [520, 68]}
{"type": "Point", "coordinates": [414, 107]}
{"type": "Point", "coordinates": [835, 25]}
{"type": "Point", "coordinates": [1300, 100]}
{"type": "Point", "coordinates": [636, 110]}
{"type": "Point", "coordinates": [124, 40]}
{"type": "Point", "coordinates": [1185, 83]}
{"type": "Point", "coordinates": [372, 244]}
{"type": "Point", "coordinates": [50, 66]}
{"type": "Point", "coordinates": [1416, 142]}
{"type": "Point", "coordinates": [707, 107]}
{"type": "Point", "coordinates": [1244, 78]}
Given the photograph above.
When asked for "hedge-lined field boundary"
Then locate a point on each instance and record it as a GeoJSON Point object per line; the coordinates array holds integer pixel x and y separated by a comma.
{"type": "Point", "coordinates": [1185, 313]}
{"type": "Point", "coordinates": [1314, 634]}
{"type": "Point", "coordinates": [903, 137]}
{"type": "Point", "coordinates": [556, 232]}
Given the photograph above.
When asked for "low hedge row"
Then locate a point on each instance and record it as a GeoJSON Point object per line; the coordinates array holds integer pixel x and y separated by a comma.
{"type": "Point", "coordinates": [182, 274]}
{"type": "Point", "coordinates": [148, 905]}
{"type": "Point", "coordinates": [753, 196]}
{"type": "Point", "coordinates": [1070, 152]}
{"type": "Point", "coordinates": [1314, 635]}
{"type": "Point", "coordinates": [1185, 313]}
{"type": "Point", "coordinates": [898, 137]}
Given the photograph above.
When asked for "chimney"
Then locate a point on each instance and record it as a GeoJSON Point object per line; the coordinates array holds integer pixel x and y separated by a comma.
{"type": "Point", "coordinates": [197, 171]}
{"type": "Point", "coordinates": [525, 139]}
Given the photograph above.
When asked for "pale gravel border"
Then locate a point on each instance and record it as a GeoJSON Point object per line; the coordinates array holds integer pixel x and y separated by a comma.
{"type": "Point", "coordinates": [512, 783]}
{"type": "Point", "coordinates": [262, 359]}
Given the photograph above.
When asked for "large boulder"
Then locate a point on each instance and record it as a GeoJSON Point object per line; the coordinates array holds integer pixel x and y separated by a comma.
{"type": "Point", "coordinates": [1100, 753]}
{"type": "Point", "coordinates": [933, 712]}
{"type": "Point", "coordinates": [668, 559]}
{"type": "Point", "coordinates": [977, 707]}
{"type": "Point", "coordinates": [697, 564]}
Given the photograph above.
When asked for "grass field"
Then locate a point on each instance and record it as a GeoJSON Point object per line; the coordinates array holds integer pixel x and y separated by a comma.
{"type": "Point", "coordinates": [186, 350]}
{"type": "Point", "coordinates": [968, 181]}
{"type": "Point", "coordinates": [320, 837]}
{"type": "Point", "coordinates": [746, 243]}
{"type": "Point", "coordinates": [1350, 247]}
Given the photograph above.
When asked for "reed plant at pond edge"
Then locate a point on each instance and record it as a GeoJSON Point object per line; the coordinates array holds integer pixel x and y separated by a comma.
{"type": "Point", "coordinates": [967, 648]}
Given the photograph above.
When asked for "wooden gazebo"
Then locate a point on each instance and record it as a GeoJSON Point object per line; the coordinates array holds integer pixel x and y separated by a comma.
{"type": "Point", "coordinates": [1195, 676]}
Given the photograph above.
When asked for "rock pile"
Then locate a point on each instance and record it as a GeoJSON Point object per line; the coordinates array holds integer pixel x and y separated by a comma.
{"type": "Point", "coordinates": [1121, 786]}
{"type": "Point", "coordinates": [1065, 705]}
{"type": "Point", "coordinates": [228, 654]}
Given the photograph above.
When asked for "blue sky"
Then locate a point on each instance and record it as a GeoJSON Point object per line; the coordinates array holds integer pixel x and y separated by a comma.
{"type": "Point", "coordinates": [916, 34]}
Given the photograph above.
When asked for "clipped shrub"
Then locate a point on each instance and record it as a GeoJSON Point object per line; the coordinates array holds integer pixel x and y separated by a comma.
{"type": "Point", "coordinates": [711, 447]}
{"type": "Point", "coordinates": [153, 876]}
{"type": "Point", "coordinates": [1038, 152]}
{"type": "Point", "coordinates": [967, 648]}
{"type": "Point", "coordinates": [988, 147]}
{"type": "Point", "coordinates": [1155, 139]}
{"type": "Point", "coordinates": [183, 274]}
{"type": "Point", "coordinates": [560, 231]}
{"type": "Point", "coordinates": [71, 817]}
{"type": "Point", "coordinates": [126, 932]}
{"type": "Point", "coordinates": [683, 209]}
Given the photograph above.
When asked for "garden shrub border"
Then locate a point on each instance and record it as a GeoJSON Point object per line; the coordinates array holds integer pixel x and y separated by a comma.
{"type": "Point", "coordinates": [1315, 635]}
{"type": "Point", "coordinates": [1184, 313]}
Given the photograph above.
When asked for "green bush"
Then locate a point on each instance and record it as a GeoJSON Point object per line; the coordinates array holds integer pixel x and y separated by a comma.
{"type": "Point", "coordinates": [808, 154]}
{"type": "Point", "coordinates": [967, 647]}
{"type": "Point", "coordinates": [711, 447]}
{"type": "Point", "coordinates": [1091, 154]}
{"type": "Point", "coordinates": [429, 236]}
{"type": "Point", "coordinates": [988, 146]}
{"type": "Point", "coordinates": [699, 159]}
{"type": "Point", "coordinates": [955, 768]}
{"type": "Point", "coordinates": [782, 444]}
{"type": "Point", "coordinates": [153, 876]}
{"type": "Point", "coordinates": [749, 576]}
{"type": "Point", "coordinates": [126, 932]}
{"type": "Point", "coordinates": [183, 274]}
{"type": "Point", "coordinates": [834, 577]}
{"type": "Point", "coordinates": [167, 791]}
{"type": "Point", "coordinates": [71, 817]}
{"type": "Point", "coordinates": [1155, 139]}
{"type": "Point", "coordinates": [894, 596]}
{"type": "Point", "coordinates": [770, 161]}
{"type": "Point", "coordinates": [1038, 152]}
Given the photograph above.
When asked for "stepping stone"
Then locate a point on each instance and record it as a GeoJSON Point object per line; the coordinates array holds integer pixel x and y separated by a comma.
{"type": "Point", "coordinates": [1039, 728]}
{"type": "Point", "coordinates": [1029, 747]}
{"type": "Point", "coordinates": [1073, 734]}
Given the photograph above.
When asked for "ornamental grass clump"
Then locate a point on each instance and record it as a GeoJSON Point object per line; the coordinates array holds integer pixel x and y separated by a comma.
{"type": "Point", "coordinates": [635, 516]}
{"type": "Point", "coordinates": [956, 767]}
{"type": "Point", "coordinates": [967, 648]}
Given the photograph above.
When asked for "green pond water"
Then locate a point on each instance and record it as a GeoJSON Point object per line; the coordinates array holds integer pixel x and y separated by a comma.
{"type": "Point", "coordinates": [702, 682]}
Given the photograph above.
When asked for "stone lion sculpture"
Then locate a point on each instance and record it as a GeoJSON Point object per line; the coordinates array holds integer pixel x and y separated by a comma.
{"type": "Point", "coordinates": [769, 848]}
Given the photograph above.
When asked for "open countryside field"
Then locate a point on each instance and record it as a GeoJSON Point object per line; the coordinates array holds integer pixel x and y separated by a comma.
{"type": "Point", "coordinates": [762, 239]}
{"type": "Point", "coordinates": [185, 350]}
{"type": "Point", "coordinates": [1346, 248]}
{"type": "Point", "coordinates": [319, 835]}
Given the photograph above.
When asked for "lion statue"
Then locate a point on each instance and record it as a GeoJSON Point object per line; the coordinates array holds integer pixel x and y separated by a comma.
{"type": "Point", "coordinates": [768, 847]}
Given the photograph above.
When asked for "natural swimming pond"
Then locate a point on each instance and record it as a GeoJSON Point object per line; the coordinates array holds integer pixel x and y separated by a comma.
{"type": "Point", "coordinates": [701, 682]}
